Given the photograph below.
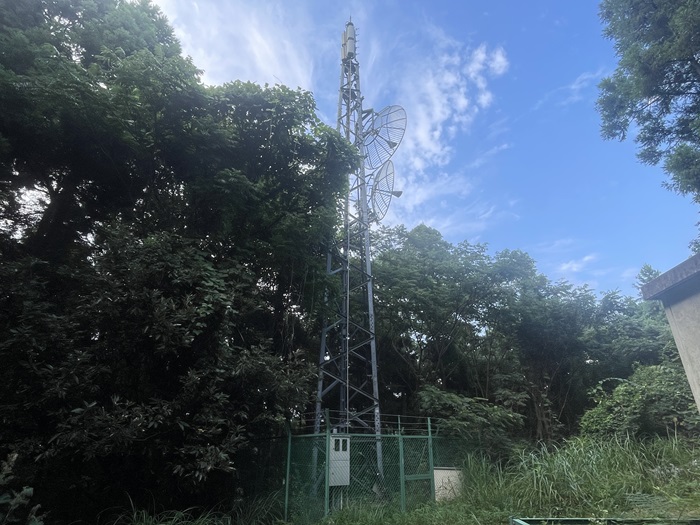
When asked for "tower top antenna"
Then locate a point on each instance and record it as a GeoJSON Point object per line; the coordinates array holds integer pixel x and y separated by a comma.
{"type": "Point", "coordinates": [349, 41]}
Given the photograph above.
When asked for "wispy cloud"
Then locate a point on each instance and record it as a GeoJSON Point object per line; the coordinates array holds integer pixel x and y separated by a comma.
{"type": "Point", "coordinates": [572, 92]}
{"type": "Point", "coordinates": [418, 192]}
{"type": "Point", "coordinates": [443, 91]}
{"type": "Point", "coordinates": [443, 84]}
{"type": "Point", "coordinates": [577, 265]}
{"type": "Point", "coordinates": [467, 223]}
{"type": "Point", "coordinates": [586, 270]}
{"type": "Point", "coordinates": [498, 128]}
{"type": "Point", "coordinates": [575, 91]}
{"type": "Point", "coordinates": [232, 40]}
{"type": "Point", "coordinates": [485, 156]}
{"type": "Point", "coordinates": [555, 257]}
{"type": "Point", "coordinates": [556, 246]}
{"type": "Point", "coordinates": [630, 274]}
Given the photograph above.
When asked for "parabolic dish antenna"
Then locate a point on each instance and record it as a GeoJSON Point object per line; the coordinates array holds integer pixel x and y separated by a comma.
{"type": "Point", "coordinates": [382, 191]}
{"type": "Point", "coordinates": [382, 133]}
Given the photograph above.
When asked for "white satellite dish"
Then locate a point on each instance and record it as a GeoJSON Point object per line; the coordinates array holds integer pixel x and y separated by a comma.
{"type": "Point", "coordinates": [382, 133]}
{"type": "Point", "coordinates": [382, 191]}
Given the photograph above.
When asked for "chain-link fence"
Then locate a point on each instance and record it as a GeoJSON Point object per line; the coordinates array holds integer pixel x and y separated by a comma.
{"type": "Point", "coordinates": [330, 471]}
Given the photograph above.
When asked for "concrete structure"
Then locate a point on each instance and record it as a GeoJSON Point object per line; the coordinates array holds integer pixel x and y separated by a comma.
{"type": "Point", "coordinates": [679, 291]}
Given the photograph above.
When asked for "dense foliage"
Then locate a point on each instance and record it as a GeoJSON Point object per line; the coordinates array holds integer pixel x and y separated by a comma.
{"type": "Point", "coordinates": [492, 347]}
{"type": "Point", "coordinates": [163, 279]}
{"type": "Point", "coordinates": [655, 90]}
{"type": "Point", "coordinates": [160, 241]}
{"type": "Point", "coordinates": [655, 400]}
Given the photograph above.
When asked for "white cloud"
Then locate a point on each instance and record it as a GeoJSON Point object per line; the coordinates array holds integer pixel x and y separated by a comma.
{"type": "Point", "coordinates": [556, 246]}
{"type": "Point", "coordinates": [577, 265]}
{"type": "Point", "coordinates": [498, 63]}
{"type": "Point", "coordinates": [575, 91]}
{"type": "Point", "coordinates": [469, 222]}
{"type": "Point", "coordinates": [498, 127]}
{"type": "Point", "coordinates": [580, 271]}
{"type": "Point", "coordinates": [234, 40]}
{"type": "Point", "coordinates": [418, 192]}
{"type": "Point", "coordinates": [442, 84]}
{"type": "Point", "coordinates": [628, 277]}
{"type": "Point", "coordinates": [484, 157]}
{"type": "Point", "coordinates": [572, 92]}
{"type": "Point", "coordinates": [589, 269]}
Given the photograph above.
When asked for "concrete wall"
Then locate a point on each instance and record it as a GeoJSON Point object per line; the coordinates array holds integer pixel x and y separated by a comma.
{"type": "Point", "coordinates": [679, 291]}
{"type": "Point", "coordinates": [684, 318]}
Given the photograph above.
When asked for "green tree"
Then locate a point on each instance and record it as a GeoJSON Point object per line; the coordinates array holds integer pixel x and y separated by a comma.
{"type": "Point", "coordinates": [428, 297]}
{"type": "Point", "coordinates": [627, 332]}
{"type": "Point", "coordinates": [478, 423]}
{"type": "Point", "coordinates": [655, 89]}
{"type": "Point", "coordinates": [87, 88]}
{"type": "Point", "coordinates": [552, 319]}
{"type": "Point", "coordinates": [646, 275]}
{"type": "Point", "coordinates": [162, 268]}
{"type": "Point", "coordinates": [491, 330]}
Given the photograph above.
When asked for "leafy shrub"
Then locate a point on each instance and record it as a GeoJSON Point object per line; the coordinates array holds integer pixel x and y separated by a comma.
{"type": "Point", "coordinates": [655, 401]}
{"type": "Point", "coordinates": [13, 504]}
{"type": "Point", "coordinates": [477, 421]}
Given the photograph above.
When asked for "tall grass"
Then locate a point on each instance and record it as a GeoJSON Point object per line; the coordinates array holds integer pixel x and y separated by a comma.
{"type": "Point", "coordinates": [582, 475]}
{"type": "Point", "coordinates": [594, 478]}
{"type": "Point", "coordinates": [580, 478]}
{"type": "Point", "coordinates": [263, 510]}
{"type": "Point", "coordinates": [173, 517]}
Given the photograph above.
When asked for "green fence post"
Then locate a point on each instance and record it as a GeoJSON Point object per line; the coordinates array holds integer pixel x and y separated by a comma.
{"type": "Point", "coordinates": [326, 504]}
{"type": "Point", "coordinates": [402, 472]}
{"type": "Point", "coordinates": [431, 466]}
{"type": "Point", "coordinates": [289, 465]}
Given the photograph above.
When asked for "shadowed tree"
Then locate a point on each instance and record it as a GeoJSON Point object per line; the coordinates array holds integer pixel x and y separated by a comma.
{"type": "Point", "coordinates": [162, 247]}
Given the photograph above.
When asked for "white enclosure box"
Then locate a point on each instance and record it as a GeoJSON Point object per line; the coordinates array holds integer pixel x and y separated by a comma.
{"type": "Point", "coordinates": [339, 464]}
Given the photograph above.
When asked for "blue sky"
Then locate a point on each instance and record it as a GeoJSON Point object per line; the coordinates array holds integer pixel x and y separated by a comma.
{"type": "Point", "coordinates": [503, 144]}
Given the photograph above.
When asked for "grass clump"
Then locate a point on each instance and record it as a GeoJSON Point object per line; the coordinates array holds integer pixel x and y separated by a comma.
{"type": "Point", "coordinates": [580, 478]}
{"type": "Point", "coordinates": [263, 510]}
{"type": "Point", "coordinates": [619, 477]}
{"type": "Point", "coordinates": [173, 517]}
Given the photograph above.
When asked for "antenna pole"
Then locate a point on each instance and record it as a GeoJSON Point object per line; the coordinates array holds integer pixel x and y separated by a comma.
{"type": "Point", "coordinates": [348, 356]}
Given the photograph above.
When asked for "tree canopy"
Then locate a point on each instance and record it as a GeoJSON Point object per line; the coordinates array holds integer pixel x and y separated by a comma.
{"type": "Point", "coordinates": [655, 89]}
{"type": "Point", "coordinates": [162, 249]}
{"type": "Point", "coordinates": [501, 337]}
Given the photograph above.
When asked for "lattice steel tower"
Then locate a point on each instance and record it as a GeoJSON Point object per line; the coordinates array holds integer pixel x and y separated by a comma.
{"type": "Point", "coordinates": [348, 357]}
